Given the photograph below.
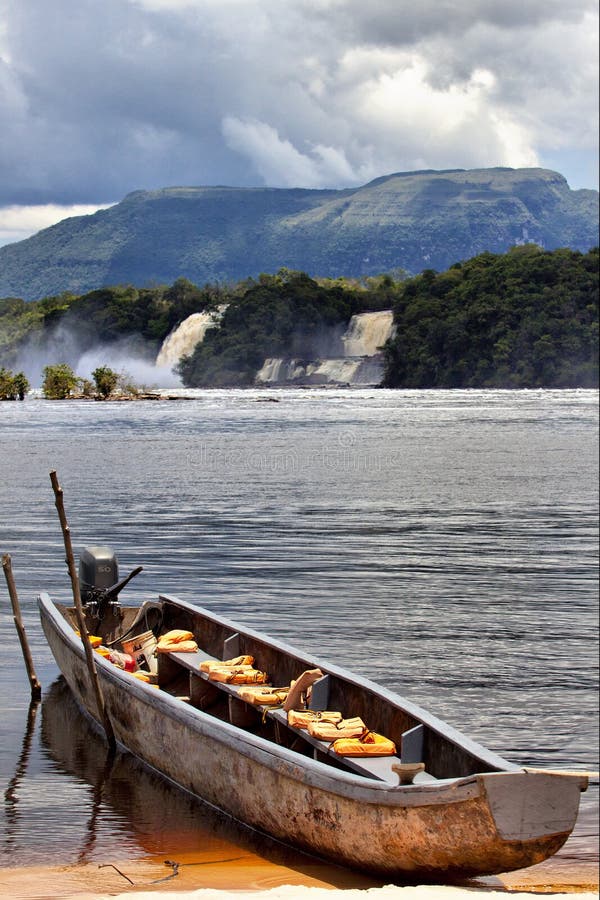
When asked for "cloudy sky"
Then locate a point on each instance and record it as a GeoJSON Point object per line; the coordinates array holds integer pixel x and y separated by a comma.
{"type": "Point", "coordinates": [102, 97]}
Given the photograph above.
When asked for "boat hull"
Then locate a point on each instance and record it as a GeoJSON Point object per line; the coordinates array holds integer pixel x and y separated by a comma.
{"type": "Point", "coordinates": [454, 828]}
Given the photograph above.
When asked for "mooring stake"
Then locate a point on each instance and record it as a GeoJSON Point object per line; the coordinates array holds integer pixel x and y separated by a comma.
{"type": "Point", "coordinates": [89, 654]}
{"type": "Point", "coordinates": [36, 688]}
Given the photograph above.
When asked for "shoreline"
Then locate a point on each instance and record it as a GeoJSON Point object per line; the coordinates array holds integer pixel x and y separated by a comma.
{"type": "Point", "coordinates": [249, 873]}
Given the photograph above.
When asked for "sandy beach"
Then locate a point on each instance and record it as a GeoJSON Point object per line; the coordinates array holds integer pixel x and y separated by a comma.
{"type": "Point", "coordinates": [249, 875]}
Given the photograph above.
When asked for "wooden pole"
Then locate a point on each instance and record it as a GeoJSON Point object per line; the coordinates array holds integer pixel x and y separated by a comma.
{"type": "Point", "coordinates": [36, 688]}
{"type": "Point", "coordinates": [89, 655]}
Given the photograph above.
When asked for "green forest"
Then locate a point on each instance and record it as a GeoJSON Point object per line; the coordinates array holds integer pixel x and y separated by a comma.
{"type": "Point", "coordinates": [526, 318]}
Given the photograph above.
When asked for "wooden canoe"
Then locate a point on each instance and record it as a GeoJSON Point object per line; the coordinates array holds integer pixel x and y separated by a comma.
{"type": "Point", "coordinates": [466, 811]}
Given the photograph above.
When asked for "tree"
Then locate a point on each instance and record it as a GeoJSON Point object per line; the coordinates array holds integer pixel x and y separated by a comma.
{"type": "Point", "coordinates": [21, 384]}
{"type": "Point", "coordinates": [106, 381]}
{"type": "Point", "coordinates": [7, 387]}
{"type": "Point", "coordinates": [12, 387]}
{"type": "Point", "coordinates": [87, 388]}
{"type": "Point", "coordinates": [59, 381]}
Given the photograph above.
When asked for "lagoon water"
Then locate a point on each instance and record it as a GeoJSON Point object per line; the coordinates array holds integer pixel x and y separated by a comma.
{"type": "Point", "coordinates": [444, 543]}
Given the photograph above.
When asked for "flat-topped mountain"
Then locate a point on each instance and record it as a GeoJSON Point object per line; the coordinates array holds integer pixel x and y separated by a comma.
{"type": "Point", "coordinates": [410, 220]}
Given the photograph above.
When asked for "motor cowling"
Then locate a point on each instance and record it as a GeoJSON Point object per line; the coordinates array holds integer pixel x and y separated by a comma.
{"type": "Point", "coordinates": [98, 571]}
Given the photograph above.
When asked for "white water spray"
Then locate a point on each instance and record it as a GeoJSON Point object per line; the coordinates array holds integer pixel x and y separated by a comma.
{"type": "Point", "coordinates": [140, 372]}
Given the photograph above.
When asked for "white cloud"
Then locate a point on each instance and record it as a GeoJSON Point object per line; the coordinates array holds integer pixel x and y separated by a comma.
{"type": "Point", "coordinates": [281, 164]}
{"type": "Point", "coordinates": [19, 222]}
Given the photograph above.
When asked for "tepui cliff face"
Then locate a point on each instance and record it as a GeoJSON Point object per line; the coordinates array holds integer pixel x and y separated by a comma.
{"type": "Point", "coordinates": [409, 221]}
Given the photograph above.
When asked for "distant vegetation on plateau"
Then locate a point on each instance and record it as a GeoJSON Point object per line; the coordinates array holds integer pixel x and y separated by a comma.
{"type": "Point", "coordinates": [525, 318]}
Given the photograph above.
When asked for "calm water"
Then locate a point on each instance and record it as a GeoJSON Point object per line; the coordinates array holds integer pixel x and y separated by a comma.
{"type": "Point", "coordinates": [443, 543]}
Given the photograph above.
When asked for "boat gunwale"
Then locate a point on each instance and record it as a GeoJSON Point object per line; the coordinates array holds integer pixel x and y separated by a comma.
{"type": "Point", "coordinates": [431, 721]}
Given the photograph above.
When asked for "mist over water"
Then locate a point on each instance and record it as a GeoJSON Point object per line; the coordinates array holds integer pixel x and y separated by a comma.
{"type": "Point", "coordinates": [338, 354]}
{"type": "Point", "coordinates": [443, 543]}
{"type": "Point", "coordinates": [139, 371]}
{"type": "Point", "coordinates": [133, 358]}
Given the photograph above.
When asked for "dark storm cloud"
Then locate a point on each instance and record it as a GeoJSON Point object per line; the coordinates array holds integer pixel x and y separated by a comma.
{"type": "Point", "coordinates": [97, 99]}
{"type": "Point", "coordinates": [102, 99]}
{"type": "Point", "coordinates": [383, 22]}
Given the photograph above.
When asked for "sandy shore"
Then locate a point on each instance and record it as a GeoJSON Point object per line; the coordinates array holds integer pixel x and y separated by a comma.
{"type": "Point", "coordinates": [249, 873]}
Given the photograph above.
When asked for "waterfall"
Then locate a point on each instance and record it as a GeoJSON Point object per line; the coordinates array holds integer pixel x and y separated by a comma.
{"type": "Point", "coordinates": [277, 371]}
{"type": "Point", "coordinates": [334, 371]}
{"type": "Point", "coordinates": [184, 337]}
{"type": "Point", "coordinates": [360, 370]}
{"type": "Point", "coordinates": [367, 333]}
{"type": "Point", "coordinates": [371, 370]}
{"type": "Point", "coordinates": [270, 372]}
{"type": "Point", "coordinates": [362, 363]}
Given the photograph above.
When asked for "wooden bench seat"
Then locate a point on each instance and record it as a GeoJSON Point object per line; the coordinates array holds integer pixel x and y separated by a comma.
{"type": "Point", "coordinates": [379, 767]}
{"type": "Point", "coordinates": [202, 691]}
{"type": "Point", "coordinates": [202, 688]}
{"type": "Point", "coordinates": [191, 661]}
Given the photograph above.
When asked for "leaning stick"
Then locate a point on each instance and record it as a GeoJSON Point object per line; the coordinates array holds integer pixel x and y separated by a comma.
{"type": "Point", "coordinates": [36, 688]}
{"type": "Point", "coordinates": [89, 655]}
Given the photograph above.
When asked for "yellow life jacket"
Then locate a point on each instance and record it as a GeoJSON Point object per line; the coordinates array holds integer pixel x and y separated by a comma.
{"type": "Point", "coordinates": [177, 640]}
{"type": "Point", "coordinates": [207, 664]}
{"type": "Point", "coordinates": [330, 731]}
{"type": "Point", "coordinates": [369, 744]}
{"type": "Point", "coordinates": [238, 675]}
{"type": "Point", "coordinates": [94, 640]}
{"type": "Point", "coordinates": [301, 718]}
{"type": "Point", "coordinates": [263, 695]}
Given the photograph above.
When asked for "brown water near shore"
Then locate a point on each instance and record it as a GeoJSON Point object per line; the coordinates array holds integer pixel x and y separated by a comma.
{"type": "Point", "coordinates": [250, 872]}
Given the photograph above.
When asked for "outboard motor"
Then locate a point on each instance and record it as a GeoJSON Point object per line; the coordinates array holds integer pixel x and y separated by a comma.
{"type": "Point", "coordinates": [98, 571]}
{"type": "Point", "coordinates": [98, 580]}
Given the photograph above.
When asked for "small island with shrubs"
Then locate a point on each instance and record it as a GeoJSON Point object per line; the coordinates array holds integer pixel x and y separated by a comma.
{"type": "Point", "coordinates": [61, 383]}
